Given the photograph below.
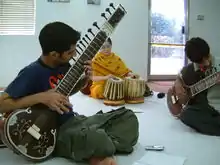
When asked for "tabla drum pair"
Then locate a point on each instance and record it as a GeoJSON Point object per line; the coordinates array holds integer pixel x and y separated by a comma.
{"type": "Point", "coordinates": [120, 91]}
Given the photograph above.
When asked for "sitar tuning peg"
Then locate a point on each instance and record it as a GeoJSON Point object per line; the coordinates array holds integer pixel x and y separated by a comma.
{"type": "Point", "coordinates": [87, 37]}
{"type": "Point", "coordinates": [82, 44]}
{"type": "Point", "coordinates": [122, 8]}
{"type": "Point", "coordinates": [103, 15]}
{"type": "Point", "coordinates": [73, 59]}
{"type": "Point", "coordinates": [79, 47]}
{"type": "Point", "coordinates": [108, 10]}
{"type": "Point", "coordinates": [96, 25]}
{"type": "Point", "coordinates": [112, 5]}
{"type": "Point", "coordinates": [77, 51]}
{"type": "Point", "coordinates": [90, 31]}
{"type": "Point", "coordinates": [85, 40]}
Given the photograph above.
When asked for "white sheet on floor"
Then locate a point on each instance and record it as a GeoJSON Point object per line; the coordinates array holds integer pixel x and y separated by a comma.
{"type": "Point", "coordinates": [157, 127]}
{"type": "Point", "coordinates": [155, 158]}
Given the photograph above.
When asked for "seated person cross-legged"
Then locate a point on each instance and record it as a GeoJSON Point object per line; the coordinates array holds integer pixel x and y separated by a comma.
{"type": "Point", "coordinates": [202, 111]}
{"type": "Point", "coordinates": [105, 65]}
{"type": "Point", "coordinates": [94, 139]}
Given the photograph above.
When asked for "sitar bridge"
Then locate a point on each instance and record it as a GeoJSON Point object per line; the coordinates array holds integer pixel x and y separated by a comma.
{"type": "Point", "coordinates": [174, 99]}
{"type": "Point", "coordinates": [34, 131]}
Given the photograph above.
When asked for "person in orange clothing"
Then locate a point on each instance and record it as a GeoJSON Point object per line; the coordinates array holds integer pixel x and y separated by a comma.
{"type": "Point", "coordinates": [105, 65]}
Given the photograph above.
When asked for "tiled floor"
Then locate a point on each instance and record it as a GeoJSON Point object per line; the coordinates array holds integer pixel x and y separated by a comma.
{"type": "Point", "coordinates": [157, 126]}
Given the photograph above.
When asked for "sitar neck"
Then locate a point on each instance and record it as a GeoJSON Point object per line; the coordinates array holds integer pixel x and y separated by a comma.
{"type": "Point", "coordinates": [90, 48]}
{"type": "Point", "coordinates": [204, 84]}
{"type": "Point", "coordinates": [76, 71]}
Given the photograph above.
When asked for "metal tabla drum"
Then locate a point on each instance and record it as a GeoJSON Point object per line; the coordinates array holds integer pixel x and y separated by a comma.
{"type": "Point", "coordinates": [114, 92]}
{"type": "Point", "coordinates": [134, 90]}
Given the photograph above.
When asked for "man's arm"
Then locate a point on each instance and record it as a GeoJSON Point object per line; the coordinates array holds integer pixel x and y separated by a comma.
{"type": "Point", "coordinates": [179, 79]}
{"type": "Point", "coordinates": [54, 100]}
{"type": "Point", "coordinates": [8, 104]}
{"type": "Point", "coordinates": [101, 78]}
{"type": "Point", "coordinates": [21, 92]}
{"type": "Point", "coordinates": [179, 84]}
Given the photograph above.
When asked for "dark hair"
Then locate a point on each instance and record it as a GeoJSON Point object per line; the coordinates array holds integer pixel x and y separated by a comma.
{"type": "Point", "coordinates": [109, 41]}
{"type": "Point", "coordinates": [57, 36]}
{"type": "Point", "coordinates": [196, 49]}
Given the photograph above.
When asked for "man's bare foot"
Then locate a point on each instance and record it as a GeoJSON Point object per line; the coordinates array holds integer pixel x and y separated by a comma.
{"type": "Point", "coordinates": [104, 161]}
{"type": "Point", "coordinates": [108, 161]}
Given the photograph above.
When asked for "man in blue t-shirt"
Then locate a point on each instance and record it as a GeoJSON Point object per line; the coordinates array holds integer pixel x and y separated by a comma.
{"type": "Point", "coordinates": [39, 77]}
{"type": "Point", "coordinates": [33, 84]}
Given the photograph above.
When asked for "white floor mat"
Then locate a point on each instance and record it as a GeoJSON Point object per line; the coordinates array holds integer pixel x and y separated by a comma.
{"type": "Point", "coordinates": [157, 127]}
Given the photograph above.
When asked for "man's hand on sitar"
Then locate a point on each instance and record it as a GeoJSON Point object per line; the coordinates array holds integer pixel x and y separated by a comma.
{"type": "Point", "coordinates": [132, 75]}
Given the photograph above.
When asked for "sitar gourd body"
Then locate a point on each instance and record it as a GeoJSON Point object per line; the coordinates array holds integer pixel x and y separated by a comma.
{"type": "Point", "coordinates": [195, 83]}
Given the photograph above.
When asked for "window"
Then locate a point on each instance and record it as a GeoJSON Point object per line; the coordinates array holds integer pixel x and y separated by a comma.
{"type": "Point", "coordinates": [17, 17]}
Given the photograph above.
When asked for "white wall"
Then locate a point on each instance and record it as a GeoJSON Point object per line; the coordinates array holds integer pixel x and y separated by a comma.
{"type": "Point", "coordinates": [209, 28]}
{"type": "Point", "coordinates": [130, 39]}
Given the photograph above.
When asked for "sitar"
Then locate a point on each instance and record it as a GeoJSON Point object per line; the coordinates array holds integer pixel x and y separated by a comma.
{"type": "Point", "coordinates": [32, 132]}
{"type": "Point", "coordinates": [177, 104]}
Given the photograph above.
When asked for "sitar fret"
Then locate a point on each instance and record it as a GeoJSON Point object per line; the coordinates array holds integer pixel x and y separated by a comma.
{"type": "Point", "coordinates": [65, 86]}
{"type": "Point", "coordinates": [72, 75]}
{"type": "Point", "coordinates": [62, 90]}
{"type": "Point", "coordinates": [68, 80]}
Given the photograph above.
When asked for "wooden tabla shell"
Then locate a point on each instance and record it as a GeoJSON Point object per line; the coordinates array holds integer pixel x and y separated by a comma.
{"type": "Point", "coordinates": [114, 91]}
{"type": "Point", "coordinates": [134, 89]}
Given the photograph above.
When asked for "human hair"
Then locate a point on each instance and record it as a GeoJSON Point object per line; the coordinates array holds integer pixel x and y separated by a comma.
{"type": "Point", "coordinates": [57, 36]}
{"type": "Point", "coordinates": [196, 49]}
{"type": "Point", "coordinates": [109, 41]}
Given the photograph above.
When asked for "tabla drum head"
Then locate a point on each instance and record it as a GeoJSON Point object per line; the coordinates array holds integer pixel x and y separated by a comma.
{"type": "Point", "coordinates": [116, 79]}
